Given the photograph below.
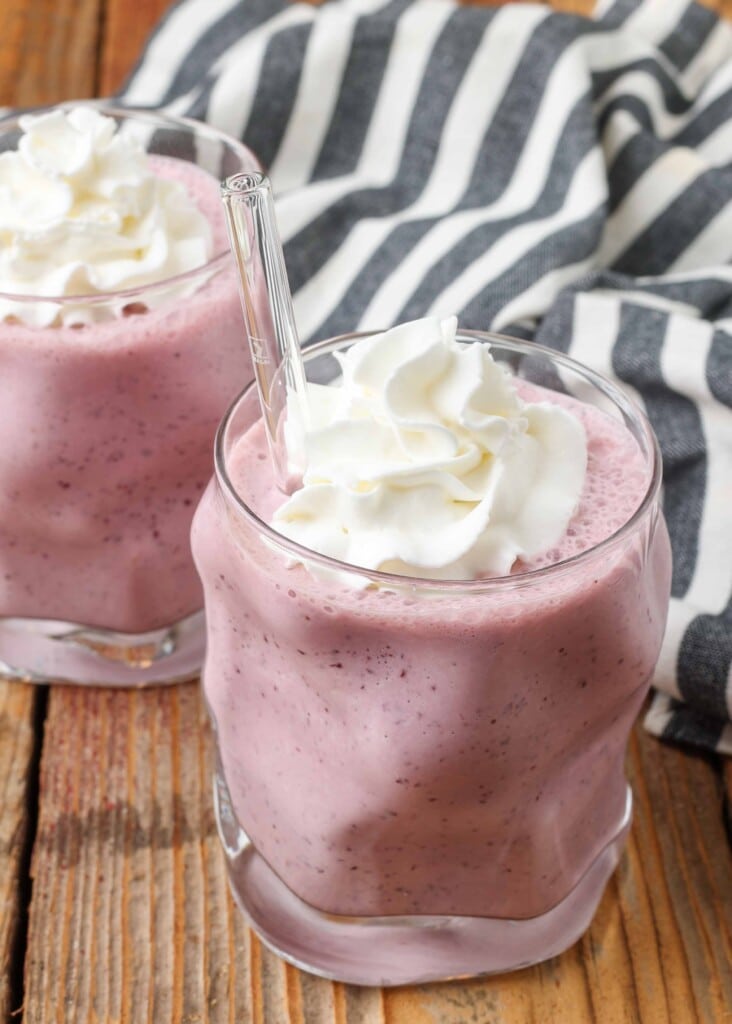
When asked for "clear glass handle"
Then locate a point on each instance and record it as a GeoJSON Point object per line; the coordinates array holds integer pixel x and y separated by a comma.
{"type": "Point", "coordinates": [267, 304]}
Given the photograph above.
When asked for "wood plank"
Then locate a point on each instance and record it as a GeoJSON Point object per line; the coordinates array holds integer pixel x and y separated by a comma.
{"type": "Point", "coordinates": [129, 879]}
{"type": "Point", "coordinates": [18, 743]}
{"type": "Point", "coordinates": [47, 50]}
{"type": "Point", "coordinates": [131, 918]}
{"type": "Point", "coordinates": [123, 37]}
{"type": "Point", "coordinates": [51, 50]}
{"type": "Point", "coordinates": [660, 947]}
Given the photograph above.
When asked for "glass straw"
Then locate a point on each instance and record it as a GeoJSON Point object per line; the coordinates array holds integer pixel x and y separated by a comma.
{"type": "Point", "coordinates": [267, 305]}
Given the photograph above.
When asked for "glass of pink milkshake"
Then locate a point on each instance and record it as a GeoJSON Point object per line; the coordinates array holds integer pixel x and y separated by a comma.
{"type": "Point", "coordinates": [420, 774]}
{"type": "Point", "coordinates": [121, 345]}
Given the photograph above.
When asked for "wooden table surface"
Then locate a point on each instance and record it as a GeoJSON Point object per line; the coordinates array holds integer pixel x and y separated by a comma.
{"type": "Point", "coordinates": [115, 906]}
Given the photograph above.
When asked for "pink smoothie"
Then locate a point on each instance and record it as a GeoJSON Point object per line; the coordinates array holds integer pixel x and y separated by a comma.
{"type": "Point", "coordinates": [106, 435]}
{"type": "Point", "coordinates": [449, 750]}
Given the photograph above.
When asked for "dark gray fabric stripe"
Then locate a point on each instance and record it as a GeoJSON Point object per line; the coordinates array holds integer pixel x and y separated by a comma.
{"type": "Point", "coordinates": [719, 370]}
{"type": "Point", "coordinates": [276, 91]}
{"type": "Point", "coordinates": [674, 99]}
{"type": "Point", "coordinates": [575, 242]}
{"type": "Point", "coordinates": [218, 38]}
{"type": "Point", "coordinates": [686, 726]}
{"type": "Point", "coordinates": [636, 359]}
{"type": "Point", "coordinates": [506, 136]}
{"type": "Point", "coordinates": [385, 260]}
{"type": "Point", "coordinates": [367, 60]}
{"type": "Point", "coordinates": [723, 311]}
{"type": "Point", "coordinates": [496, 160]}
{"type": "Point", "coordinates": [618, 13]}
{"type": "Point", "coordinates": [633, 106]}
{"type": "Point", "coordinates": [705, 656]}
{"type": "Point", "coordinates": [556, 330]}
{"type": "Point", "coordinates": [688, 35]}
{"type": "Point", "coordinates": [576, 139]}
{"type": "Point", "coordinates": [494, 167]}
{"type": "Point", "coordinates": [481, 238]}
{"type": "Point", "coordinates": [710, 295]}
{"type": "Point", "coordinates": [717, 113]}
{"type": "Point", "coordinates": [675, 229]}
{"type": "Point", "coordinates": [636, 156]}
{"type": "Point", "coordinates": [320, 239]}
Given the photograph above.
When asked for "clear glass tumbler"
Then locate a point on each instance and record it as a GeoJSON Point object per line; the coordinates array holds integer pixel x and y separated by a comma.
{"type": "Point", "coordinates": [107, 420]}
{"type": "Point", "coordinates": [424, 779]}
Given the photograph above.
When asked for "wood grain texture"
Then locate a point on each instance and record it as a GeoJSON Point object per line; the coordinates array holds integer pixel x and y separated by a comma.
{"type": "Point", "coordinates": [122, 39]}
{"type": "Point", "coordinates": [131, 919]}
{"type": "Point", "coordinates": [130, 883]}
{"type": "Point", "coordinates": [47, 50]}
{"type": "Point", "coordinates": [17, 751]}
{"type": "Point", "coordinates": [53, 50]}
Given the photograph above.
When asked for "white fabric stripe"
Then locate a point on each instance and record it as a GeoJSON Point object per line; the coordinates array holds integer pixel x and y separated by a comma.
{"type": "Point", "coordinates": [603, 8]}
{"type": "Point", "coordinates": [473, 108]}
{"type": "Point", "coordinates": [659, 714]}
{"type": "Point", "coordinates": [604, 53]}
{"type": "Point", "coordinates": [183, 29]}
{"type": "Point", "coordinates": [414, 38]}
{"type": "Point", "coordinates": [595, 330]}
{"type": "Point", "coordinates": [712, 245]}
{"type": "Point", "coordinates": [536, 300]}
{"type": "Point", "coordinates": [643, 86]}
{"type": "Point", "coordinates": [655, 19]}
{"type": "Point", "coordinates": [620, 127]}
{"type": "Point", "coordinates": [238, 70]}
{"type": "Point", "coordinates": [560, 93]}
{"type": "Point", "coordinates": [680, 615]}
{"type": "Point", "coordinates": [647, 199]}
{"type": "Point", "coordinates": [724, 743]}
{"type": "Point", "coordinates": [385, 305]}
{"type": "Point", "coordinates": [723, 274]}
{"type": "Point", "coordinates": [683, 365]}
{"type": "Point", "coordinates": [463, 132]}
{"type": "Point", "coordinates": [649, 299]}
{"type": "Point", "coordinates": [716, 149]}
{"type": "Point", "coordinates": [320, 82]}
{"type": "Point", "coordinates": [585, 194]}
{"type": "Point", "coordinates": [715, 51]}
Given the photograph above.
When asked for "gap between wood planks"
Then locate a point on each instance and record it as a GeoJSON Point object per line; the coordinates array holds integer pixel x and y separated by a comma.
{"type": "Point", "coordinates": [13, 985]}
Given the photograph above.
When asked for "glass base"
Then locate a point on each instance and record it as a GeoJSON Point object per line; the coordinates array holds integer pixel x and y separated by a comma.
{"type": "Point", "coordinates": [48, 651]}
{"type": "Point", "coordinates": [389, 951]}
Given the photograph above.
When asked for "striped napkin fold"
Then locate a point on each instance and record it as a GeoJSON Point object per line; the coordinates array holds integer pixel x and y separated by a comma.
{"type": "Point", "coordinates": [538, 173]}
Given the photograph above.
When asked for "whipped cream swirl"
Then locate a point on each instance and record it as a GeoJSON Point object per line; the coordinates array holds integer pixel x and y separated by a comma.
{"type": "Point", "coordinates": [83, 213]}
{"type": "Point", "coordinates": [423, 460]}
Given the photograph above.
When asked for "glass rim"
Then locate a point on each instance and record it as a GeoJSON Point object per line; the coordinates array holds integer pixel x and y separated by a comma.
{"type": "Point", "coordinates": [302, 554]}
{"type": "Point", "coordinates": [153, 116]}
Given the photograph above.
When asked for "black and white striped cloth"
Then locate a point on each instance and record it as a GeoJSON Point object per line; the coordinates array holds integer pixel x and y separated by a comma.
{"type": "Point", "coordinates": [536, 173]}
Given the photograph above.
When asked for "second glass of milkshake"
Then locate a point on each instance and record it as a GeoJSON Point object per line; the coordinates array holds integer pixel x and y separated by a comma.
{"type": "Point", "coordinates": [121, 345]}
{"type": "Point", "coordinates": [424, 663]}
